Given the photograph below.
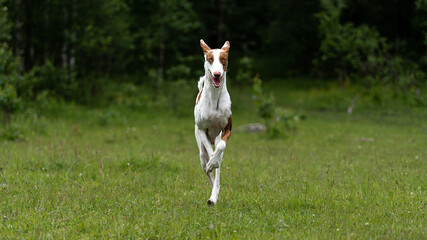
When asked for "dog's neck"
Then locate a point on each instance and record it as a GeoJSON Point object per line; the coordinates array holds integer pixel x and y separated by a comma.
{"type": "Point", "coordinates": [212, 92]}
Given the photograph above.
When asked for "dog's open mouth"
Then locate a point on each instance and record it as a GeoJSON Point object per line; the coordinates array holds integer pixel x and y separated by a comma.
{"type": "Point", "coordinates": [216, 80]}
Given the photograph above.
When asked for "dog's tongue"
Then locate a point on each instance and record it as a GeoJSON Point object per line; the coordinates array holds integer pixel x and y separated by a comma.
{"type": "Point", "coordinates": [216, 81]}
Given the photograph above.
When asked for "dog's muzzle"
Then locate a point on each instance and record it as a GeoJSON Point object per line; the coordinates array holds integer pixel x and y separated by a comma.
{"type": "Point", "coordinates": [216, 80]}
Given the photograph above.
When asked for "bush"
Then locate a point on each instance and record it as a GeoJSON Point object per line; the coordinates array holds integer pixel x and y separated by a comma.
{"type": "Point", "coordinates": [246, 70]}
{"type": "Point", "coordinates": [276, 120]}
{"type": "Point", "coordinates": [9, 79]}
{"type": "Point", "coordinates": [360, 54]}
{"type": "Point", "coordinates": [51, 79]}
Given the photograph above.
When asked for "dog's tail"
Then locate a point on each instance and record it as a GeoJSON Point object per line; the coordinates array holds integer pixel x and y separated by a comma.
{"type": "Point", "coordinates": [200, 83]}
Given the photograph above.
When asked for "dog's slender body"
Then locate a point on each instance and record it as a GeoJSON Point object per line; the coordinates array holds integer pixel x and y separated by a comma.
{"type": "Point", "coordinates": [212, 114]}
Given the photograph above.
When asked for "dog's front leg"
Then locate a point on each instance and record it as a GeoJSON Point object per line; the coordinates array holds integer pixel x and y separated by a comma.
{"type": "Point", "coordinates": [220, 144]}
{"type": "Point", "coordinates": [216, 185]}
{"type": "Point", "coordinates": [216, 157]}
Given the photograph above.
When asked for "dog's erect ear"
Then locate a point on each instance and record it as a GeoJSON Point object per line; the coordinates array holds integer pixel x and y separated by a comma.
{"type": "Point", "coordinates": [226, 46]}
{"type": "Point", "coordinates": [204, 46]}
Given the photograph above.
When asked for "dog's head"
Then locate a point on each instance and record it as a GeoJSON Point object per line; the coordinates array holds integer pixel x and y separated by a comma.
{"type": "Point", "coordinates": [216, 61]}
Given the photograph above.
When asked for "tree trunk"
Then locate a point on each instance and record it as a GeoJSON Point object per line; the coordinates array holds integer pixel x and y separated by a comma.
{"type": "Point", "coordinates": [29, 48]}
{"type": "Point", "coordinates": [64, 54]}
{"type": "Point", "coordinates": [73, 41]}
{"type": "Point", "coordinates": [341, 79]}
{"type": "Point", "coordinates": [46, 29]}
{"type": "Point", "coordinates": [18, 36]}
{"type": "Point", "coordinates": [161, 59]}
{"type": "Point", "coordinates": [220, 22]}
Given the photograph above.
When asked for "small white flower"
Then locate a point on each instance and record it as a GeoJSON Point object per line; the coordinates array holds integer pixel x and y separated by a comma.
{"type": "Point", "coordinates": [211, 226]}
{"type": "Point", "coordinates": [366, 224]}
{"type": "Point", "coordinates": [81, 174]}
{"type": "Point", "coordinates": [128, 164]}
{"type": "Point", "coordinates": [314, 214]}
{"type": "Point", "coordinates": [416, 157]}
{"type": "Point", "coordinates": [43, 169]}
{"type": "Point", "coordinates": [412, 193]}
{"type": "Point", "coordinates": [47, 175]}
{"type": "Point", "coordinates": [338, 229]}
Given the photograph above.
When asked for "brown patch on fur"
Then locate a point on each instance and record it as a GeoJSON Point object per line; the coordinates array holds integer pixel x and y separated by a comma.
{"type": "Point", "coordinates": [226, 133]}
{"type": "Point", "coordinates": [199, 96]}
{"type": "Point", "coordinates": [210, 57]}
{"type": "Point", "coordinates": [204, 46]}
{"type": "Point", "coordinates": [223, 59]}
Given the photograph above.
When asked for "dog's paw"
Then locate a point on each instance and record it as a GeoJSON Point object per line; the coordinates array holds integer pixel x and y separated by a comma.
{"type": "Point", "coordinates": [211, 165]}
{"type": "Point", "coordinates": [211, 202]}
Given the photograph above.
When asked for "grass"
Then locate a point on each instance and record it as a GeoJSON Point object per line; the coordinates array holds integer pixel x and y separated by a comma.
{"type": "Point", "coordinates": [114, 173]}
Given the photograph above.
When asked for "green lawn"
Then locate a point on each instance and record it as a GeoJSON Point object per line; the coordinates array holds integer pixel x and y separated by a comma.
{"type": "Point", "coordinates": [138, 175]}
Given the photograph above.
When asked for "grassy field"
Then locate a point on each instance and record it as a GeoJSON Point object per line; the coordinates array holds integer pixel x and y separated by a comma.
{"type": "Point", "coordinates": [115, 173]}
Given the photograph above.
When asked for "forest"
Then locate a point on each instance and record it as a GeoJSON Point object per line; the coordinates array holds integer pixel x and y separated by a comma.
{"type": "Point", "coordinates": [74, 49]}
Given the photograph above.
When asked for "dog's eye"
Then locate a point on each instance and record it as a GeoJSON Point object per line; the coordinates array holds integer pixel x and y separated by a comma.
{"type": "Point", "coordinates": [210, 60]}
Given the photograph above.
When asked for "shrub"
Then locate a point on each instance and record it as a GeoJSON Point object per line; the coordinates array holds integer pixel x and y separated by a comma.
{"type": "Point", "coordinates": [54, 80]}
{"type": "Point", "coordinates": [245, 72]}
{"type": "Point", "coordinates": [360, 54]}
{"type": "Point", "coordinates": [9, 79]}
{"type": "Point", "coordinates": [277, 120]}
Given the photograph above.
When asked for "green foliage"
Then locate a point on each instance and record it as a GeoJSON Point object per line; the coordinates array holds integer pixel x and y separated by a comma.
{"type": "Point", "coordinates": [359, 53]}
{"type": "Point", "coordinates": [9, 101]}
{"type": "Point", "coordinates": [178, 72]}
{"type": "Point", "coordinates": [264, 102]}
{"type": "Point", "coordinates": [421, 7]}
{"type": "Point", "coordinates": [9, 77]}
{"type": "Point", "coordinates": [11, 132]}
{"type": "Point", "coordinates": [103, 40]}
{"type": "Point", "coordinates": [276, 119]}
{"type": "Point", "coordinates": [346, 47]}
{"type": "Point", "coordinates": [245, 71]}
{"type": "Point", "coordinates": [49, 79]}
{"type": "Point", "coordinates": [5, 24]}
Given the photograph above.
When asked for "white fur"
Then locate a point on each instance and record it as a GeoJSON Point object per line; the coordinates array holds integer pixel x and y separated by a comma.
{"type": "Point", "coordinates": [211, 115]}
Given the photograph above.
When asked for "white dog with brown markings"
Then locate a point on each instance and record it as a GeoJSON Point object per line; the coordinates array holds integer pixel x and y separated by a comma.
{"type": "Point", "coordinates": [212, 114]}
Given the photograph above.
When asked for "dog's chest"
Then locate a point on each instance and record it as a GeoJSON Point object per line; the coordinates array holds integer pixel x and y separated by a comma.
{"type": "Point", "coordinates": [213, 119]}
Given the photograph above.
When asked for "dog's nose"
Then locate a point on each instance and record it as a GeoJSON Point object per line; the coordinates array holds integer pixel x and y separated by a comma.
{"type": "Point", "coordinates": [217, 74]}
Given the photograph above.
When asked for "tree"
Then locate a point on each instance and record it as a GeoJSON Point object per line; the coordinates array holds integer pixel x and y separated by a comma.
{"type": "Point", "coordinates": [345, 47]}
{"type": "Point", "coordinates": [9, 76]}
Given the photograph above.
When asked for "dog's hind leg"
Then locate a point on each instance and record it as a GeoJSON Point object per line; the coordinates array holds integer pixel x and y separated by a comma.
{"type": "Point", "coordinates": [204, 155]}
{"type": "Point", "coordinates": [204, 158]}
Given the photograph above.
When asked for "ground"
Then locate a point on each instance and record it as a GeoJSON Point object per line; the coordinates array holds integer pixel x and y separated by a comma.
{"type": "Point", "coordinates": [114, 173]}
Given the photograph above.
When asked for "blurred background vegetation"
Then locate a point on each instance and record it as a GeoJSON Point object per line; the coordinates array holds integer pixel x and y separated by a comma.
{"type": "Point", "coordinates": [145, 54]}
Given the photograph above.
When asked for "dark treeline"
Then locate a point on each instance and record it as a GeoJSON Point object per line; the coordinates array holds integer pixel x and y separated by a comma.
{"type": "Point", "coordinates": [129, 36]}
{"type": "Point", "coordinates": [158, 40]}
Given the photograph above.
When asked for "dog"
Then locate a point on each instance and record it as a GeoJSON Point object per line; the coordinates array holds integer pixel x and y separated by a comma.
{"type": "Point", "coordinates": [212, 114]}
